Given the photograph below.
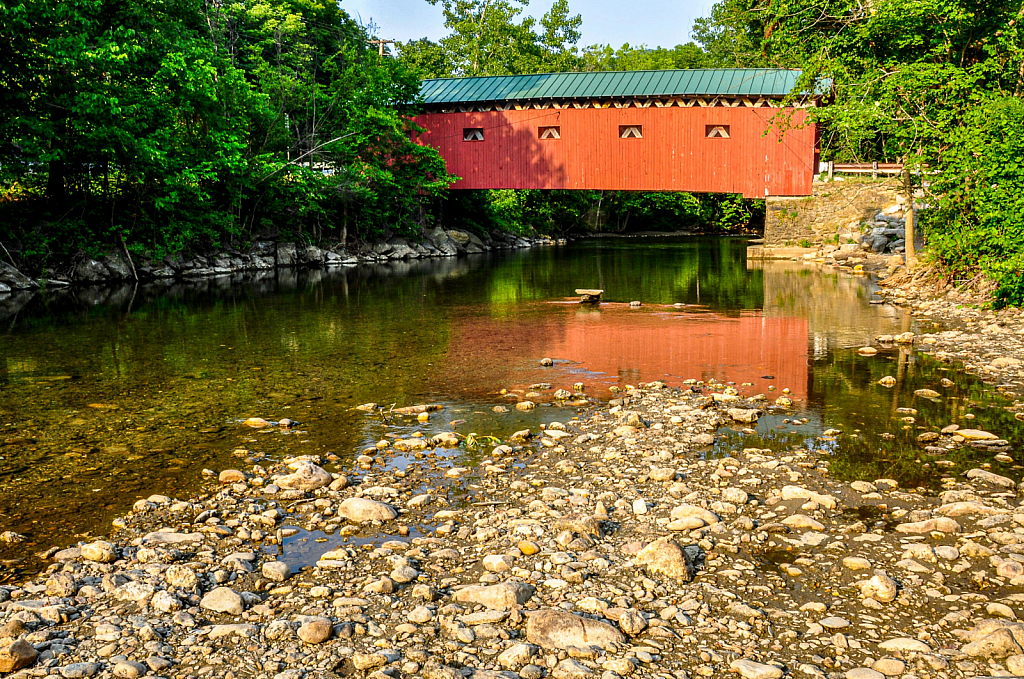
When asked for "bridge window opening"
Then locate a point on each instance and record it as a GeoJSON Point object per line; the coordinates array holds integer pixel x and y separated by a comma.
{"type": "Point", "coordinates": [716, 131]}
{"type": "Point", "coordinates": [552, 132]}
{"type": "Point", "coordinates": [631, 131]}
{"type": "Point", "coordinates": [472, 134]}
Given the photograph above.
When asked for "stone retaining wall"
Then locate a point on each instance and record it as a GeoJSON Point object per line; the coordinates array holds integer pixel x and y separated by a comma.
{"type": "Point", "coordinates": [837, 212]}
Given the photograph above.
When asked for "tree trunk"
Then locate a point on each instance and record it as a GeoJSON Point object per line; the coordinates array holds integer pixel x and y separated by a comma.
{"type": "Point", "coordinates": [911, 254]}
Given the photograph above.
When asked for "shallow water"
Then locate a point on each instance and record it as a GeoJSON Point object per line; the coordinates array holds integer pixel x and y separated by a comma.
{"type": "Point", "coordinates": [108, 395]}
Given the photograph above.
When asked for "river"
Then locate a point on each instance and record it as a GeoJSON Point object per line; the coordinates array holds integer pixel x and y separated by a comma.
{"type": "Point", "coordinates": [108, 395]}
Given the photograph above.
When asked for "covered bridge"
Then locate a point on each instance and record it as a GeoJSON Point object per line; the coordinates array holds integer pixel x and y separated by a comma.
{"type": "Point", "coordinates": [699, 130]}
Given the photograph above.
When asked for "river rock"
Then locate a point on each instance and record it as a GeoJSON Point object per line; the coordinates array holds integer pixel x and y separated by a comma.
{"type": "Point", "coordinates": [798, 493]}
{"type": "Point", "coordinates": [16, 655]}
{"type": "Point", "coordinates": [864, 673]}
{"type": "Point", "coordinates": [692, 511]}
{"type": "Point", "coordinates": [664, 556]}
{"type": "Point", "coordinates": [497, 563]}
{"type": "Point", "coordinates": [905, 645]}
{"type": "Point", "coordinates": [361, 510]}
{"type": "Point", "coordinates": [997, 644]}
{"type": "Point", "coordinates": [803, 521]}
{"type": "Point", "coordinates": [748, 669]}
{"type": "Point", "coordinates": [745, 415]}
{"type": "Point", "coordinates": [61, 585]}
{"type": "Point", "coordinates": [276, 571]}
{"type": "Point", "coordinates": [880, 588]}
{"type": "Point", "coordinates": [79, 670]}
{"type": "Point", "coordinates": [165, 602]}
{"type": "Point", "coordinates": [516, 656]}
{"type": "Point", "coordinates": [632, 622]}
{"type": "Point", "coordinates": [99, 551]}
{"type": "Point", "coordinates": [127, 669]}
{"type": "Point", "coordinates": [988, 477]}
{"type": "Point", "coordinates": [503, 596]}
{"type": "Point", "coordinates": [976, 435]}
{"type": "Point", "coordinates": [568, 668]}
{"type": "Point", "coordinates": [368, 661]}
{"type": "Point", "coordinates": [890, 667]}
{"type": "Point", "coordinates": [557, 630]}
{"type": "Point", "coordinates": [315, 630]}
{"type": "Point", "coordinates": [184, 577]}
{"type": "Point", "coordinates": [223, 600]}
{"type": "Point", "coordinates": [940, 525]}
{"type": "Point", "coordinates": [307, 476]}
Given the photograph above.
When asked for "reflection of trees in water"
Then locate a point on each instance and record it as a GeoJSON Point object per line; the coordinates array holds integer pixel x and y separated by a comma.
{"type": "Point", "coordinates": [833, 303]}
{"type": "Point", "coordinates": [707, 271]}
{"type": "Point", "coordinates": [844, 387]}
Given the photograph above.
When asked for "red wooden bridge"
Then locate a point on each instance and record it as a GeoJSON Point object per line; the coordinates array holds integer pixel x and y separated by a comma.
{"type": "Point", "coordinates": [698, 130]}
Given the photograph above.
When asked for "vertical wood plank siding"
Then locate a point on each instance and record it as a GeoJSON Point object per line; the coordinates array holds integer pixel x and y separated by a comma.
{"type": "Point", "coordinates": [757, 160]}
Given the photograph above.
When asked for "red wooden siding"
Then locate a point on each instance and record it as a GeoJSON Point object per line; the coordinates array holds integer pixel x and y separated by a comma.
{"type": "Point", "coordinates": [673, 155]}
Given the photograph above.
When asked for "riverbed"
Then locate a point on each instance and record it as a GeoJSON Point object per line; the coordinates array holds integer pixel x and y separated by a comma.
{"type": "Point", "coordinates": [108, 395]}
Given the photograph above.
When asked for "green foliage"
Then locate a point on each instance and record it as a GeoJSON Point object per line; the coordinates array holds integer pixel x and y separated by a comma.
{"type": "Point", "coordinates": [642, 58]}
{"type": "Point", "coordinates": [488, 37]}
{"type": "Point", "coordinates": [933, 83]}
{"type": "Point", "coordinates": [903, 73]}
{"type": "Point", "coordinates": [169, 125]}
{"type": "Point", "coordinates": [978, 223]}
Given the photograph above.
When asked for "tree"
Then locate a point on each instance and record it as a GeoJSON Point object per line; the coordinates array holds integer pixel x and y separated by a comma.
{"type": "Point", "coordinates": [426, 58]}
{"type": "Point", "coordinates": [158, 126]}
{"type": "Point", "coordinates": [559, 38]}
{"type": "Point", "coordinates": [642, 58]}
{"type": "Point", "coordinates": [487, 37]}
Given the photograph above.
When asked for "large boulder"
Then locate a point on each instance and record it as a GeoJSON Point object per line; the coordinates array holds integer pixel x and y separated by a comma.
{"type": "Point", "coordinates": [286, 254]}
{"type": "Point", "coordinates": [361, 510]}
{"type": "Point", "coordinates": [14, 279]}
{"type": "Point", "coordinates": [99, 551]}
{"type": "Point", "coordinates": [558, 630]}
{"type": "Point", "coordinates": [90, 271]}
{"type": "Point", "coordinates": [118, 266]}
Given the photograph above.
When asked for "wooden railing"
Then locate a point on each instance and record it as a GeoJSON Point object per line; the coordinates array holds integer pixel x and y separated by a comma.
{"type": "Point", "coordinates": [832, 168]}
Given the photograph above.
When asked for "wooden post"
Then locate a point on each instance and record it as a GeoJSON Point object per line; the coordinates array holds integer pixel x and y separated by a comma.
{"type": "Point", "coordinates": [831, 169]}
{"type": "Point", "coordinates": [380, 45]}
{"type": "Point", "coordinates": [874, 169]}
{"type": "Point", "coordinates": [911, 255]}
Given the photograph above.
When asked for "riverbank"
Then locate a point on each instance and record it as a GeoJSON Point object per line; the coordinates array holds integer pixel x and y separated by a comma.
{"type": "Point", "coordinates": [613, 543]}
{"type": "Point", "coordinates": [265, 256]}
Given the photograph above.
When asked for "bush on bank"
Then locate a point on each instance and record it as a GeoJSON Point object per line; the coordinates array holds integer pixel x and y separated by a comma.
{"type": "Point", "coordinates": [977, 224]}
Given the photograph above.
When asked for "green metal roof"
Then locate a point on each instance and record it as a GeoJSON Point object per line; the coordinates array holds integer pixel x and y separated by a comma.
{"type": "Point", "coordinates": [767, 82]}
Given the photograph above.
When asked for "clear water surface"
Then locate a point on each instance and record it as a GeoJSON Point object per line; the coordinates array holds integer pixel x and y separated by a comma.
{"type": "Point", "coordinates": [108, 394]}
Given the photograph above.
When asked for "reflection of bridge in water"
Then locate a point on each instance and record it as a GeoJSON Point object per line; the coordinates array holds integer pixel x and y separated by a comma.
{"type": "Point", "coordinates": [617, 345]}
{"type": "Point", "coordinates": [614, 344]}
{"type": "Point", "coordinates": [699, 130]}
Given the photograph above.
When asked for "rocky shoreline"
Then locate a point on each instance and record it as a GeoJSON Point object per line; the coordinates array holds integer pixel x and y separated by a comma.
{"type": "Point", "coordinates": [267, 256]}
{"type": "Point", "coordinates": [613, 544]}
{"type": "Point", "coordinates": [963, 328]}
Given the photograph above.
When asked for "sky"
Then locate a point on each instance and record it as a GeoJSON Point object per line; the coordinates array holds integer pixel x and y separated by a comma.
{"type": "Point", "coordinates": [654, 23]}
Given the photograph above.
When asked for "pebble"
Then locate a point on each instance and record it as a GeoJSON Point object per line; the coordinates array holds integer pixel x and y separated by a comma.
{"type": "Point", "coordinates": [608, 544]}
